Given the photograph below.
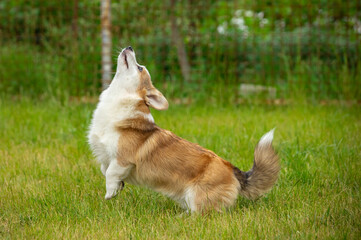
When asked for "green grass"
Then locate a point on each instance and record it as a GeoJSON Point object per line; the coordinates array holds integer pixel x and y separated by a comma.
{"type": "Point", "coordinates": [51, 187]}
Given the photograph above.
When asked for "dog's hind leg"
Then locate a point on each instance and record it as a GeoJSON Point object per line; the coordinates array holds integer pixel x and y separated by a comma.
{"type": "Point", "coordinates": [114, 176]}
{"type": "Point", "coordinates": [217, 198]}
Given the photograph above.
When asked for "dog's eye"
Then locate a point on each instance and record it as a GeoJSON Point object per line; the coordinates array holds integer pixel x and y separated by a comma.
{"type": "Point", "coordinates": [140, 68]}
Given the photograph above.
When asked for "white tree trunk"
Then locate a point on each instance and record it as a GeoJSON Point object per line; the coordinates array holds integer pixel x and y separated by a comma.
{"type": "Point", "coordinates": [106, 43]}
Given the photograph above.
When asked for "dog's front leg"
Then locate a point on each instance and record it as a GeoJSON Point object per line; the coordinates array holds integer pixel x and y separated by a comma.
{"type": "Point", "coordinates": [114, 176]}
{"type": "Point", "coordinates": [104, 168]}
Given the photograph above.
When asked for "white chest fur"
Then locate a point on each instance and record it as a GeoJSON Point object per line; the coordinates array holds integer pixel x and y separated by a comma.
{"type": "Point", "coordinates": [103, 137]}
{"type": "Point", "coordinates": [112, 108]}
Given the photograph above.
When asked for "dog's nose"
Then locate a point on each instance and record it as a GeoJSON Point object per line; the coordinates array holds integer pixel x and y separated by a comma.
{"type": "Point", "coordinates": [130, 48]}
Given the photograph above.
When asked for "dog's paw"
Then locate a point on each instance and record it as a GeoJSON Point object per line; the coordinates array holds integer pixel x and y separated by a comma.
{"type": "Point", "coordinates": [111, 193]}
{"type": "Point", "coordinates": [121, 185]}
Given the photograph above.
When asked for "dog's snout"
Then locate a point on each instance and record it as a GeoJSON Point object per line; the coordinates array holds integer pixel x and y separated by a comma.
{"type": "Point", "coordinates": [130, 48]}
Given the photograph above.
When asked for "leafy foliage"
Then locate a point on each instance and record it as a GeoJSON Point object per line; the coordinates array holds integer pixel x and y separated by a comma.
{"type": "Point", "coordinates": [227, 43]}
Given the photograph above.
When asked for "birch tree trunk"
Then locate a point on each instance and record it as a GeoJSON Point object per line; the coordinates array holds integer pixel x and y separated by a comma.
{"type": "Point", "coordinates": [106, 43]}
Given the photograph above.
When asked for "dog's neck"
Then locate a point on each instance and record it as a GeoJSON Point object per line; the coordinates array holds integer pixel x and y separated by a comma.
{"type": "Point", "coordinates": [124, 105]}
{"type": "Point", "coordinates": [122, 85]}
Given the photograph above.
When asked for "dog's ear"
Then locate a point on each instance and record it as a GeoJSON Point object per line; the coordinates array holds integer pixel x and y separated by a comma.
{"type": "Point", "coordinates": [155, 99]}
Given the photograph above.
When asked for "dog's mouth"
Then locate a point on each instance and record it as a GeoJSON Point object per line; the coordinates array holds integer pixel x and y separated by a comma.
{"type": "Point", "coordinates": [126, 51]}
{"type": "Point", "coordinates": [126, 60]}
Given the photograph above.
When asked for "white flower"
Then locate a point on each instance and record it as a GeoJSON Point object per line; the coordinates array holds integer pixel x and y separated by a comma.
{"type": "Point", "coordinates": [238, 13]}
{"type": "Point", "coordinates": [237, 21]}
{"type": "Point", "coordinates": [260, 15]}
{"type": "Point", "coordinates": [263, 22]}
{"type": "Point", "coordinates": [248, 13]}
{"type": "Point", "coordinates": [222, 28]}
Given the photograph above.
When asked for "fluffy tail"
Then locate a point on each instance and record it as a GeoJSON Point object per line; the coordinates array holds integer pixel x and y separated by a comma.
{"type": "Point", "coordinates": [264, 172]}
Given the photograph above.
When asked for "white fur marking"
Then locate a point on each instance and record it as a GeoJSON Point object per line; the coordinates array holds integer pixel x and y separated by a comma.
{"type": "Point", "coordinates": [267, 138]}
{"type": "Point", "coordinates": [114, 175]}
{"type": "Point", "coordinates": [189, 197]}
{"type": "Point", "coordinates": [149, 117]}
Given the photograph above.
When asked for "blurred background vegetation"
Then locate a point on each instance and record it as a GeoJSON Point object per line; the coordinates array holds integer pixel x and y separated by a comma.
{"type": "Point", "coordinates": [308, 49]}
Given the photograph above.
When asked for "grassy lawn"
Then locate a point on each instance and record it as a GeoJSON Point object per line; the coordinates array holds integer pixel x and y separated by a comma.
{"type": "Point", "coordinates": [51, 187]}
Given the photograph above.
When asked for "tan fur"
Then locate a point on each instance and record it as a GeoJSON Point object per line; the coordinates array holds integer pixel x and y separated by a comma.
{"type": "Point", "coordinates": [170, 164]}
{"type": "Point", "coordinates": [263, 175]}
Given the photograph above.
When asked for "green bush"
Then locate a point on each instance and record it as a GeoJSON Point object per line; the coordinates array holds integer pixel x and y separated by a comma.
{"type": "Point", "coordinates": [26, 70]}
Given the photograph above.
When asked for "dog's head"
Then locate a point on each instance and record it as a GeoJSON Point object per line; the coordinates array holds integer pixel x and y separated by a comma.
{"type": "Point", "coordinates": [135, 79]}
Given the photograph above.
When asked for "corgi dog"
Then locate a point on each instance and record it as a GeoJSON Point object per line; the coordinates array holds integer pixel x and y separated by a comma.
{"type": "Point", "coordinates": [132, 148]}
